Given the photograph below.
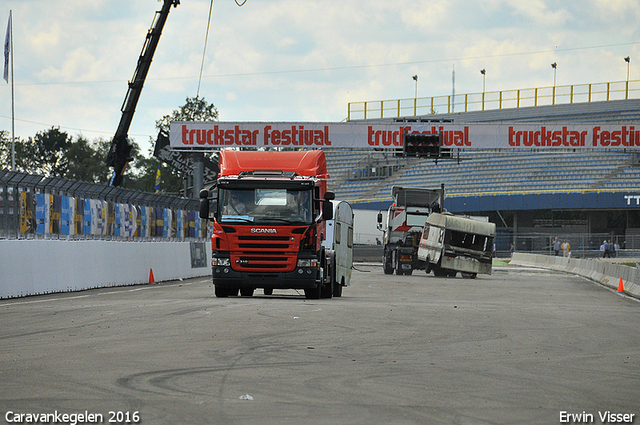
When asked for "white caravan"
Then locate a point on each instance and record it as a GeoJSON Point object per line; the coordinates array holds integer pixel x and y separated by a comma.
{"type": "Point", "coordinates": [338, 246]}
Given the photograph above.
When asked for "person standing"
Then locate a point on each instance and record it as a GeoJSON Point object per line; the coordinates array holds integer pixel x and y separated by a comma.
{"type": "Point", "coordinates": [607, 251]}
{"type": "Point", "coordinates": [566, 248]}
{"type": "Point", "coordinates": [556, 246]}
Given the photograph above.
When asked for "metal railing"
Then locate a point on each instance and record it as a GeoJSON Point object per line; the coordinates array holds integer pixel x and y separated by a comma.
{"type": "Point", "coordinates": [38, 207]}
{"type": "Point", "coordinates": [493, 100]}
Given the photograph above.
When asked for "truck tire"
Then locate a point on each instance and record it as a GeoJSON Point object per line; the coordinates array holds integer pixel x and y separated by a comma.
{"type": "Point", "coordinates": [337, 289]}
{"type": "Point", "coordinates": [312, 294]}
{"type": "Point", "coordinates": [268, 291]}
{"type": "Point", "coordinates": [328, 277]}
{"type": "Point", "coordinates": [246, 292]}
{"type": "Point", "coordinates": [224, 292]}
{"type": "Point", "coordinates": [438, 272]}
{"type": "Point", "coordinates": [469, 275]}
{"type": "Point", "coordinates": [221, 292]}
{"type": "Point", "coordinates": [387, 264]}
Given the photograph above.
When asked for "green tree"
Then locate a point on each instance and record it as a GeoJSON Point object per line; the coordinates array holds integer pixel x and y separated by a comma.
{"type": "Point", "coordinates": [48, 153]}
{"type": "Point", "coordinates": [85, 160]}
{"type": "Point", "coordinates": [194, 109]}
{"type": "Point", "coordinates": [5, 149]}
{"type": "Point", "coordinates": [24, 158]}
{"type": "Point", "coordinates": [170, 178]}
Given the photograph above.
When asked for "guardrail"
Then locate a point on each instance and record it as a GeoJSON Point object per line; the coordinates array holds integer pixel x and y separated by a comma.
{"type": "Point", "coordinates": [39, 207]}
{"type": "Point", "coordinates": [606, 273]}
{"type": "Point", "coordinates": [518, 98]}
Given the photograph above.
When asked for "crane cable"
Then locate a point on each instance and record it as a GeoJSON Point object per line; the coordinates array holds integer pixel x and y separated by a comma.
{"type": "Point", "coordinates": [206, 38]}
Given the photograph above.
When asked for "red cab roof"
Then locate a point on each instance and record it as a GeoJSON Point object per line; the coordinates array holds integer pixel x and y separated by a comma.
{"type": "Point", "coordinates": [304, 163]}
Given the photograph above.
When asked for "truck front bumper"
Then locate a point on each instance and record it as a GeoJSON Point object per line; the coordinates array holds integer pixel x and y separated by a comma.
{"type": "Point", "coordinates": [300, 278]}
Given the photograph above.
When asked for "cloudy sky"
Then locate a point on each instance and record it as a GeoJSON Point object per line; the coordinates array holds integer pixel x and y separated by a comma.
{"type": "Point", "coordinates": [286, 60]}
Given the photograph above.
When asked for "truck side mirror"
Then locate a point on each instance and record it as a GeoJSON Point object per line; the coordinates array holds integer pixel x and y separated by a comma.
{"type": "Point", "coordinates": [207, 205]}
{"type": "Point", "coordinates": [379, 220]}
{"type": "Point", "coordinates": [329, 196]}
{"type": "Point", "coordinates": [204, 208]}
{"type": "Point", "coordinates": [327, 210]}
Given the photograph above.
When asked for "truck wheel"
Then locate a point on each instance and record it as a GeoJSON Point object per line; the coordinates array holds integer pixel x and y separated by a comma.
{"type": "Point", "coordinates": [439, 272]}
{"type": "Point", "coordinates": [337, 289]}
{"type": "Point", "coordinates": [246, 292]}
{"type": "Point", "coordinates": [268, 291]}
{"type": "Point", "coordinates": [327, 290]}
{"type": "Point", "coordinates": [388, 267]}
{"type": "Point", "coordinates": [469, 275]}
{"type": "Point", "coordinates": [224, 292]}
{"type": "Point", "coordinates": [312, 294]}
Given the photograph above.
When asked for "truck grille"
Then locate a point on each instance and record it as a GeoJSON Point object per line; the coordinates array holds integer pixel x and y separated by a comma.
{"type": "Point", "coordinates": [264, 252]}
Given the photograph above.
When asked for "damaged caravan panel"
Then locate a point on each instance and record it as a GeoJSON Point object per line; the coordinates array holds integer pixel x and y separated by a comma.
{"type": "Point", "coordinates": [451, 244]}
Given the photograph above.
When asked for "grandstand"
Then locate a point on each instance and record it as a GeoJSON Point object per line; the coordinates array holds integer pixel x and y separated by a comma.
{"type": "Point", "coordinates": [487, 171]}
{"type": "Point", "coordinates": [359, 175]}
{"type": "Point", "coordinates": [487, 180]}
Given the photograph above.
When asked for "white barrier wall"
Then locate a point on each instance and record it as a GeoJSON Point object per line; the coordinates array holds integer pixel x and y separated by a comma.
{"type": "Point", "coordinates": [30, 267]}
{"type": "Point", "coordinates": [607, 274]}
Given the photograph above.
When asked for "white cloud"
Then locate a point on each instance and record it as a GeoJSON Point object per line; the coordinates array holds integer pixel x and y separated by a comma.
{"type": "Point", "coordinates": [291, 60]}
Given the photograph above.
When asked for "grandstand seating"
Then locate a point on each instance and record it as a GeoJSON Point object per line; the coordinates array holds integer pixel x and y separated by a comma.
{"type": "Point", "coordinates": [486, 171]}
{"type": "Point", "coordinates": [490, 171]}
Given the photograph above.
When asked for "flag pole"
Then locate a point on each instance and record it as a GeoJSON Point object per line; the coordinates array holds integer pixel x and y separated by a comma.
{"type": "Point", "coordinates": [13, 120]}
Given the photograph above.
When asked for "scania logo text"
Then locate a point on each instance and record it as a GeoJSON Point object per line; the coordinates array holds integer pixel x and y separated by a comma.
{"type": "Point", "coordinates": [264, 231]}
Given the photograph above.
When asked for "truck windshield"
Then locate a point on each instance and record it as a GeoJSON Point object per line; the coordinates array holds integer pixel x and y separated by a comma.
{"type": "Point", "coordinates": [416, 219]}
{"type": "Point", "coordinates": [265, 206]}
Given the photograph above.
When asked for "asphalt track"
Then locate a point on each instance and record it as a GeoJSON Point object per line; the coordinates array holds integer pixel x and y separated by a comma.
{"type": "Point", "coordinates": [521, 346]}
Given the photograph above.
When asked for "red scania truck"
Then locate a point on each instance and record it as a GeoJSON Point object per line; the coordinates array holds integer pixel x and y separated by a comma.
{"type": "Point", "coordinates": [269, 212]}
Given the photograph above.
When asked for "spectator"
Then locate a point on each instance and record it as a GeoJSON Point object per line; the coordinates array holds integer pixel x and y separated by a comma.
{"type": "Point", "coordinates": [556, 246]}
{"type": "Point", "coordinates": [566, 248]}
{"type": "Point", "coordinates": [605, 249]}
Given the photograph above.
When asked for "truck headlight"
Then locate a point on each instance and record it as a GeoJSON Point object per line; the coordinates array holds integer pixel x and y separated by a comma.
{"type": "Point", "coordinates": [223, 262]}
{"type": "Point", "coordinates": [307, 262]}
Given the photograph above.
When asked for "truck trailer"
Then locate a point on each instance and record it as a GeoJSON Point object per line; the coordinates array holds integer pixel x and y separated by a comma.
{"type": "Point", "coordinates": [339, 246]}
{"type": "Point", "coordinates": [269, 212]}
{"type": "Point", "coordinates": [452, 244]}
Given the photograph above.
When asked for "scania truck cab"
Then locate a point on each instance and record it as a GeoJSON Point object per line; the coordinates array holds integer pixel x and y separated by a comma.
{"type": "Point", "coordinates": [269, 212]}
{"type": "Point", "coordinates": [404, 225]}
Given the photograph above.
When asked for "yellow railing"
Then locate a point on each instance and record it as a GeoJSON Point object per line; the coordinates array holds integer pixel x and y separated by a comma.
{"type": "Point", "coordinates": [578, 93]}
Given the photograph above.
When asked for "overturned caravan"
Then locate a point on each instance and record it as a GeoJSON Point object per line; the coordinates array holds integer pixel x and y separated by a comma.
{"type": "Point", "coordinates": [452, 244]}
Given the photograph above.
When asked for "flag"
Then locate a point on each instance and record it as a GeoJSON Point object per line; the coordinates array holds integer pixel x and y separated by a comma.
{"type": "Point", "coordinates": [158, 179]}
{"type": "Point", "coordinates": [7, 49]}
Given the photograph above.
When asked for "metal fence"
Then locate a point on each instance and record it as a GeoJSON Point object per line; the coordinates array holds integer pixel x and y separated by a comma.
{"type": "Point", "coordinates": [554, 95]}
{"type": "Point", "coordinates": [582, 245]}
{"type": "Point", "coordinates": [35, 206]}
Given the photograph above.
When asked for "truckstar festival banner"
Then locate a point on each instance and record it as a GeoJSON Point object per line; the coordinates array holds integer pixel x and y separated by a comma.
{"type": "Point", "coordinates": [215, 135]}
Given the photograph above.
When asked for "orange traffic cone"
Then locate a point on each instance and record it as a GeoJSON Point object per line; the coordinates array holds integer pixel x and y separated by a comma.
{"type": "Point", "coordinates": [620, 286]}
{"type": "Point", "coordinates": [151, 278]}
